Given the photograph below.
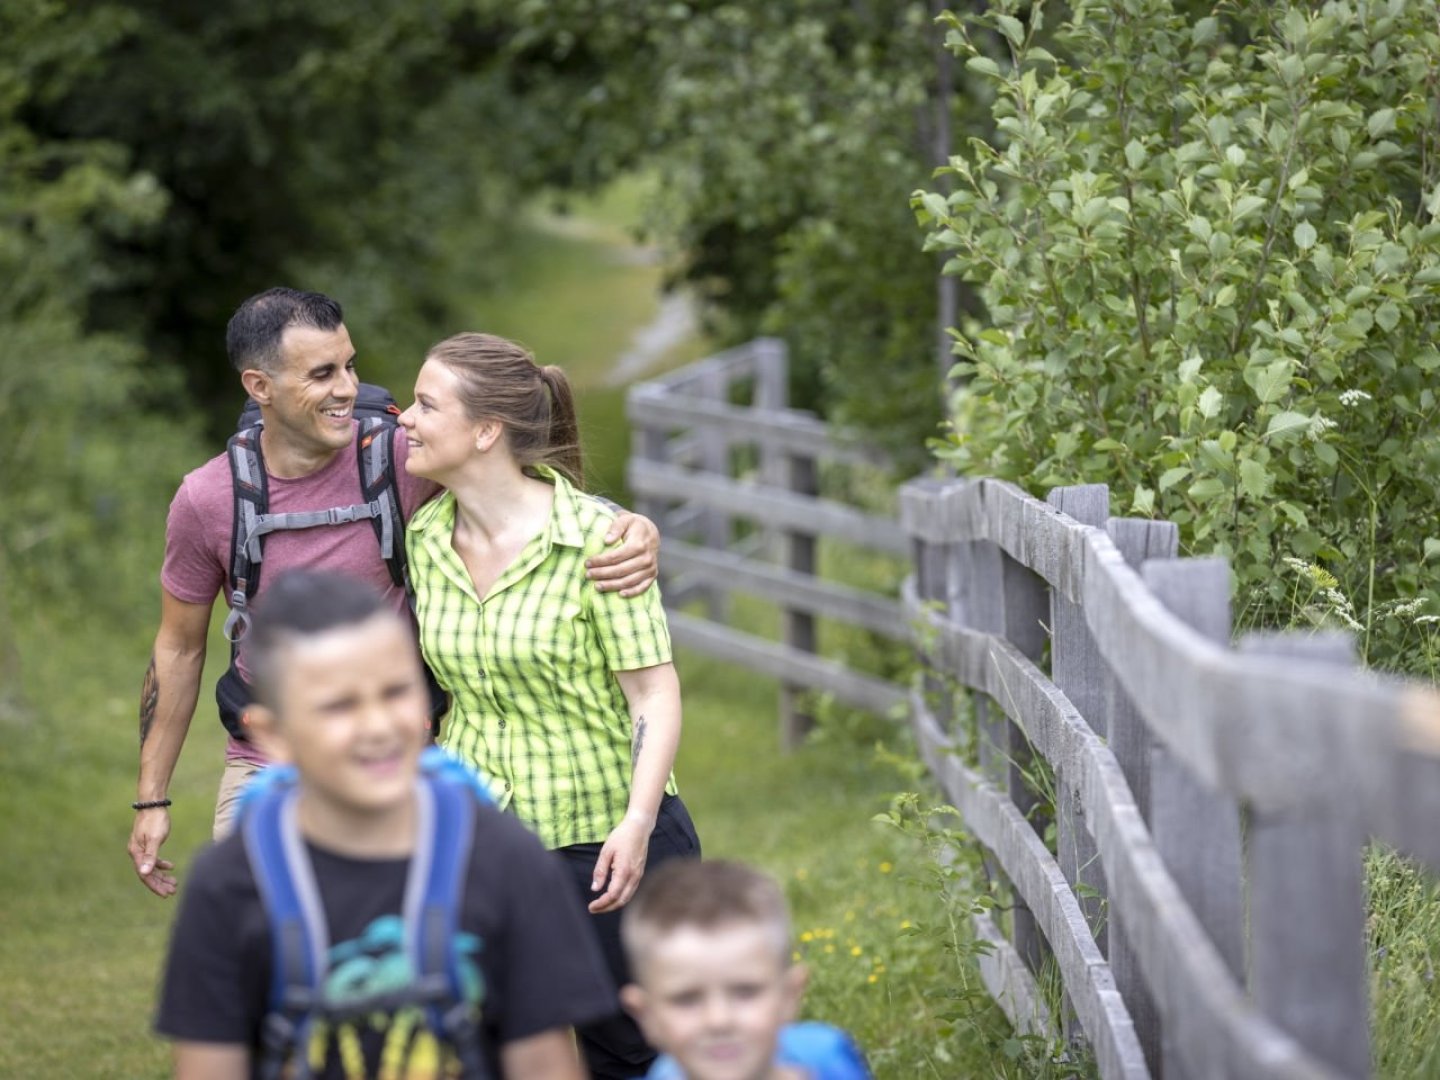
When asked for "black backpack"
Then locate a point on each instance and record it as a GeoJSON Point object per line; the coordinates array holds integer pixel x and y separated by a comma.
{"type": "Point", "coordinates": [376, 411]}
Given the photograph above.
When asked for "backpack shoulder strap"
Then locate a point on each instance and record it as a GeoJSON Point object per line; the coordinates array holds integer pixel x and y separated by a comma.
{"type": "Point", "coordinates": [380, 487]}
{"type": "Point", "coordinates": [435, 895]}
{"type": "Point", "coordinates": [828, 1052]}
{"type": "Point", "coordinates": [251, 495]}
{"type": "Point", "coordinates": [299, 936]}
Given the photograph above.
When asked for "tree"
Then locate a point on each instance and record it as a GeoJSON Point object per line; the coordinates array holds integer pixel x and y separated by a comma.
{"type": "Point", "coordinates": [84, 464]}
{"type": "Point", "coordinates": [786, 140]}
{"type": "Point", "coordinates": [1209, 257]}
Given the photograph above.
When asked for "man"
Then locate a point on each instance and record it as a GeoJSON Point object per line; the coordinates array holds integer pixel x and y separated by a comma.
{"type": "Point", "coordinates": [297, 363]}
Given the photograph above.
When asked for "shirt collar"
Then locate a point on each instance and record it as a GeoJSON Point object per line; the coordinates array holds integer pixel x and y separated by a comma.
{"type": "Point", "coordinates": [566, 526]}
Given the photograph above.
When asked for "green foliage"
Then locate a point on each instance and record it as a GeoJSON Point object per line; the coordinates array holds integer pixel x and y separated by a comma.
{"type": "Point", "coordinates": [1210, 259]}
{"type": "Point", "coordinates": [786, 139]}
{"type": "Point", "coordinates": [288, 140]}
{"type": "Point", "coordinates": [87, 469]}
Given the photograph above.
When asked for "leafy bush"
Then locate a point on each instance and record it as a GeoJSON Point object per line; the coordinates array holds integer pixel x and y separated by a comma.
{"type": "Point", "coordinates": [1210, 257]}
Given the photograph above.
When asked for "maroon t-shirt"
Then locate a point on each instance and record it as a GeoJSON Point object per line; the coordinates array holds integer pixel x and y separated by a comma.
{"type": "Point", "coordinates": [197, 534]}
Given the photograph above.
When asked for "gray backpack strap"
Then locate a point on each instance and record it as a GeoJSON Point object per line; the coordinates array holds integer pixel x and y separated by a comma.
{"type": "Point", "coordinates": [264, 524]}
{"type": "Point", "coordinates": [381, 488]}
{"type": "Point", "coordinates": [251, 499]}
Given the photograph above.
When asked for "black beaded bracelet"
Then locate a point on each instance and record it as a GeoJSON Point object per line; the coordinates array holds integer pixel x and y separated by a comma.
{"type": "Point", "coordinates": [149, 804]}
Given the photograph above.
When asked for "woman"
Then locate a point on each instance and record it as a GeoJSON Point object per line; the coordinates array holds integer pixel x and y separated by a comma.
{"type": "Point", "coordinates": [564, 697]}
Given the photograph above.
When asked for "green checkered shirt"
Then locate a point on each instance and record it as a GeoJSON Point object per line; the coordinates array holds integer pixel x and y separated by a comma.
{"type": "Point", "coordinates": [534, 705]}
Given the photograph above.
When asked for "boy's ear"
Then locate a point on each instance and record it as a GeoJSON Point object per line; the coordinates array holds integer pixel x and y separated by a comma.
{"type": "Point", "coordinates": [261, 725]}
{"type": "Point", "coordinates": [796, 976]}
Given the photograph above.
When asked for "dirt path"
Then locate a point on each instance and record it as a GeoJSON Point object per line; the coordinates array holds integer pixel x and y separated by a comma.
{"type": "Point", "coordinates": [674, 324]}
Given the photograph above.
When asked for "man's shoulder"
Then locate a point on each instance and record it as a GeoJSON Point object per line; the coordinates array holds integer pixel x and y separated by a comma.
{"type": "Point", "coordinates": [211, 477]}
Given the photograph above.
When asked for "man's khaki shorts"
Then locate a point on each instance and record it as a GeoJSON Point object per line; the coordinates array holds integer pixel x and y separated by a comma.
{"type": "Point", "coordinates": [232, 783]}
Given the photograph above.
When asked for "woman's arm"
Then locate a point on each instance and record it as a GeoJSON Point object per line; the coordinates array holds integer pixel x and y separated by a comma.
{"type": "Point", "coordinates": [653, 697]}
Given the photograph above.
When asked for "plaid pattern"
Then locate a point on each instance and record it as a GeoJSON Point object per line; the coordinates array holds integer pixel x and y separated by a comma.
{"type": "Point", "coordinates": [534, 704]}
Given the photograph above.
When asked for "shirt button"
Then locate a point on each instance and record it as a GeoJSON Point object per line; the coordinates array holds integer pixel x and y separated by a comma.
{"type": "Point", "coordinates": [502, 725]}
{"type": "Point", "coordinates": [507, 785]}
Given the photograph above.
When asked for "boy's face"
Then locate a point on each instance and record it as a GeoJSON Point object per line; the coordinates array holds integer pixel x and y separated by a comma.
{"type": "Point", "coordinates": [716, 999]}
{"type": "Point", "coordinates": [351, 716]}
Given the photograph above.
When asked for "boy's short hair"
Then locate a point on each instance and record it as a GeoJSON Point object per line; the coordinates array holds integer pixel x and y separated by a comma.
{"type": "Point", "coordinates": [705, 895]}
{"type": "Point", "coordinates": [301, 604]}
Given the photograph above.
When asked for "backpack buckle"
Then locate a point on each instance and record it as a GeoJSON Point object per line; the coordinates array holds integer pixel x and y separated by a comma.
{"type": "Point", "coordinates": [342, 515]}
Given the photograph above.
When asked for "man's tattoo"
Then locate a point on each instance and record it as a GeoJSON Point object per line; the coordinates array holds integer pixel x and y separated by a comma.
{"type": "Point", "coordinates": [639, 741]}
{"type": "Point", "coordinates": [149, 698]}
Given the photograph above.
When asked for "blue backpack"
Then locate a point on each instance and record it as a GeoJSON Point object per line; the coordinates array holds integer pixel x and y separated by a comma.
{"type": "Point", "coordinates": [823, 1051]}
{"type": "Point", "coordinates": [300, 939]}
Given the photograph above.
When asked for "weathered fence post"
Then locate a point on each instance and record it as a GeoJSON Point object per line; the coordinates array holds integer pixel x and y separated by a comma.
{"type": "Point", "coordinates": [650, 442]}
{"type": "Point", "coordinates": [1078, 670]}
{"type": "Point", "coordinates": [799, 626]}
{"type": "Point", "coordinates": [772, 391]}
{"type": "Point", "coordinates": [933, 586]}
{"type": "Point", "coordinates": [1305, 873]}
{"type": "Point", "coordinates": [1138, 540]}
{"type": "Point", "coordinates": [714, 460]}
{"type": "Point", "coordinates": [1001, 597]}
{"type": "Point", "coordinates": [1197, 830]}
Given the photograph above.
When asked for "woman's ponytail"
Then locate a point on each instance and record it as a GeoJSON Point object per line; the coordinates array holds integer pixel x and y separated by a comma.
{"type": "Point", "coordinates": [563, 450]}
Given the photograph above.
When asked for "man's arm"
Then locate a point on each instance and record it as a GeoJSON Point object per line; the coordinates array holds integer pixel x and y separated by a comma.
{"type": "Point", "coordinates": [549, 1055]}
{"type": "Point", "coordinates": [211, 1061]}
{"type": "Point", "coordinates": [167, 704]}
{"type": "Point", "coordinates": [632, 567]}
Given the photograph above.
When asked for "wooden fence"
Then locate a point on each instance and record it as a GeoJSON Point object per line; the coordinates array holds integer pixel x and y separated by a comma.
{"type": "Point", "coordinates": [735, 487]}
{"type": "Point", "coordinates": [1203, 902]}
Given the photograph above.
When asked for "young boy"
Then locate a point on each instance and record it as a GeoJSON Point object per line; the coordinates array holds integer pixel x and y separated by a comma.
{"type": "Point", "coordinates": [715, 988]}
{"type": "Point", "coordinates": [342, 700]}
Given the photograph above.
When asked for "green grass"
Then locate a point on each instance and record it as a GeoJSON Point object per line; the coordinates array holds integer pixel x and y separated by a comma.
{"type": "Point", "coordinates": [83, 940]}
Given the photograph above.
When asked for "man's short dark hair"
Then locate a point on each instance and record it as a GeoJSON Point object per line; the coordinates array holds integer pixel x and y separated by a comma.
{"type": "Point", "coordinates": [252, 339]}
{"type": "Point", "coordinates": [302, 604]}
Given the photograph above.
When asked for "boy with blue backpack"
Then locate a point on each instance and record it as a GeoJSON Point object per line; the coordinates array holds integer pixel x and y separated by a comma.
{"type": "Point", "coordinates": [373, 915]}
{"type": "Point", "coordinates": [716, 987]}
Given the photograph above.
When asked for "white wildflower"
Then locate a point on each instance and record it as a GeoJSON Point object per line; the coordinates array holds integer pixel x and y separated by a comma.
{"type": "Point", "coordinates": [1354, 397]}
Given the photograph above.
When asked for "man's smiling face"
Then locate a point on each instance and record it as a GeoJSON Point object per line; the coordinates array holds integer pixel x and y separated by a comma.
{"type": "Point", "coordinates": [313, 391]}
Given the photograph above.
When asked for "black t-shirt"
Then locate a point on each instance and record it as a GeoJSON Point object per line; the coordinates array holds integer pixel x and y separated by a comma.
{"type": "Point", "coordinates": [535, 962]}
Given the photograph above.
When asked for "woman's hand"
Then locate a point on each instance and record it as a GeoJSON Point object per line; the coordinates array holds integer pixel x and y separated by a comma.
{"type": "Point", "coordinates": [622, 861]}
{"type": "Point", "coordinates": [631, 568]}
